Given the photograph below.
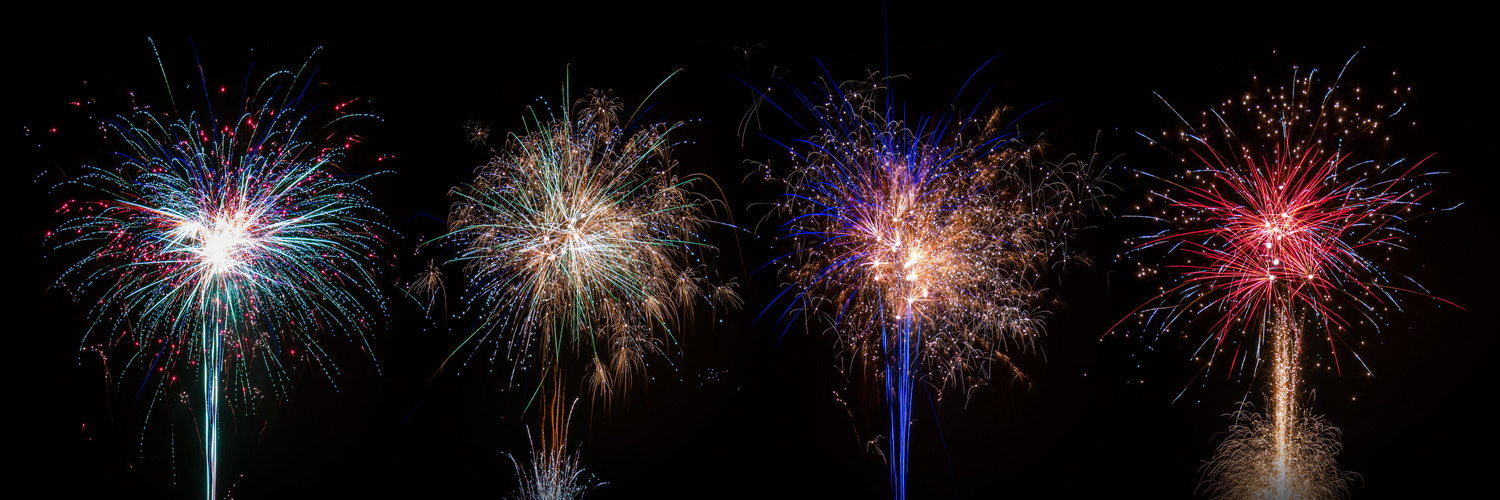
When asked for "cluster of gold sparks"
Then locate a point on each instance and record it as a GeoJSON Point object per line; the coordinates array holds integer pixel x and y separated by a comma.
{"type": "Point", "coordinates": [1288, 453]}
{"type": "Point", "coordinates": [948, 230]}
{"type": "Point", "coordinates": [580, 236]}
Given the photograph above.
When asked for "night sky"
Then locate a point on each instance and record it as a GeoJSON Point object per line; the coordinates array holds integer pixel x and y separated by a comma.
{"type": "Point", "coordinates": [746, 407]}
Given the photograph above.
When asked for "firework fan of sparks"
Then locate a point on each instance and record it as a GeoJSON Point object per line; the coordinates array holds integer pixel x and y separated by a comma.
{"type": "Point", "coordinates": [580, 232]}
{"type": "Point", "coordinates": [554, 473]}
{"type": "Point", "coordinates": [924, 245]}
{"type": "Point", "coordinates": [1236, 471]}
{"type": "Point", "coordinates": [1288, 452]}
{"type": "Point", "coordinates": [1276, 220]}
{"type": "Point", "coordinates": [223, 245]}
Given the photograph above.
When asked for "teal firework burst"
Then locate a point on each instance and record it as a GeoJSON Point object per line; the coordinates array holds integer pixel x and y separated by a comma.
{"type": "Point", "coordinates": [220, 249]}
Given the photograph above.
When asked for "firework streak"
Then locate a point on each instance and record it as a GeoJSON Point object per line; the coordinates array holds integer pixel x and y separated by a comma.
{"type": "Point", "coordinates": [924, 244]}
{"type": "Point", "coordinates": [223, 244]}
{"type": "Point", "coordinates": [580, 233]}
{"type": "Point", "coordinates": [1274, 224]}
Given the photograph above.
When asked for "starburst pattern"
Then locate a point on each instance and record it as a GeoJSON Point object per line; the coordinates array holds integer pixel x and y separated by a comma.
{"type": "Point", "coordinates": [224, 245]}
{"type": "Point", "coordinates": [1276, 221]}
{"type": "Point", "coordinates": [925, 245]}
{"type": "Point", "coordinates": [580, 236]}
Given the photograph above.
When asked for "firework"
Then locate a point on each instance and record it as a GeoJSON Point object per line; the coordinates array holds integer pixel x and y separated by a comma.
{"type": "Point", "coordinates": [924, 247]}
{"type": "Point", "coordinates": [554, 473]}
{"type": "Point", "coordinates": [1290, 453]}
{"type": "Point", "coordinates": [580, 235]}
{"type": "Point", "coordinates": [223, 245]}
{"type": "Point", "coordinates": [428, 283]}
{"type": "Point", "coordinates": [1275, 221]}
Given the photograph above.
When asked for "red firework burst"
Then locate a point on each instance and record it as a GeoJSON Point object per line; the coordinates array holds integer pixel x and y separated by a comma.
{"type": "Point", "coordinates": [1285, 211]}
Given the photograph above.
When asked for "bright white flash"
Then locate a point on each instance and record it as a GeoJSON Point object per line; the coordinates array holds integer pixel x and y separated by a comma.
{"type": "Point", "coordinates": [218, 243]}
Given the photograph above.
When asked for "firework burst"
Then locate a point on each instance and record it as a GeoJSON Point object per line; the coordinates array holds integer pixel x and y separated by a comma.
{"type": "Point", "coordinates": [1275, 220]}
{"type": "Point", "coordinates": [223, 245]}
{"type": "Point", "coordinates": [580, 235]}
{"type": "Point", "coordinates": [923, 246]}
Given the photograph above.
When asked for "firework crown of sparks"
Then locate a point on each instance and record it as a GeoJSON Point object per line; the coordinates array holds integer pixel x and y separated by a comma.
{"type": "Point", "coordinates": [948, 231]}
{"type": "Point", "coordinates": [580, 232]}
{"type": "Point", "coordinates": [1282, 213]}
{"type": "Point", "coordinates": [241, 228]}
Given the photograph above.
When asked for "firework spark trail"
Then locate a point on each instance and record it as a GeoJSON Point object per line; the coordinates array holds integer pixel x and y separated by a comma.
{"type": "Point", "coordinates": [580, 234]}
{"type": "Point", "coordinates": [1289, 453]}
{"type": "Point", "coordinates": [222, 243]}
{"type": "Point", "coordinates": [924, 247]}
{"type": "Point", "coordinates": [1274, 227]}
{"type": "Point", "coordinates": [554, 473]}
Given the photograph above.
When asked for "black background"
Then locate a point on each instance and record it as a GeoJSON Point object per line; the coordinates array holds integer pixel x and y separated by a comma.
{"type": "Point", "coordinates": [1098, 418]}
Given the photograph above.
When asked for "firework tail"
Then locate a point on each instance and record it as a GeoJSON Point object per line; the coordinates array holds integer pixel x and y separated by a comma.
{"type": "Point", "coordinates": [553, 474]}
{"type": "Point", "coordinates": [899, 378]}
{"type": "Point", "coordinates": [1285, 342]}
{"type": "Point", "coordinates": [212, 374]}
